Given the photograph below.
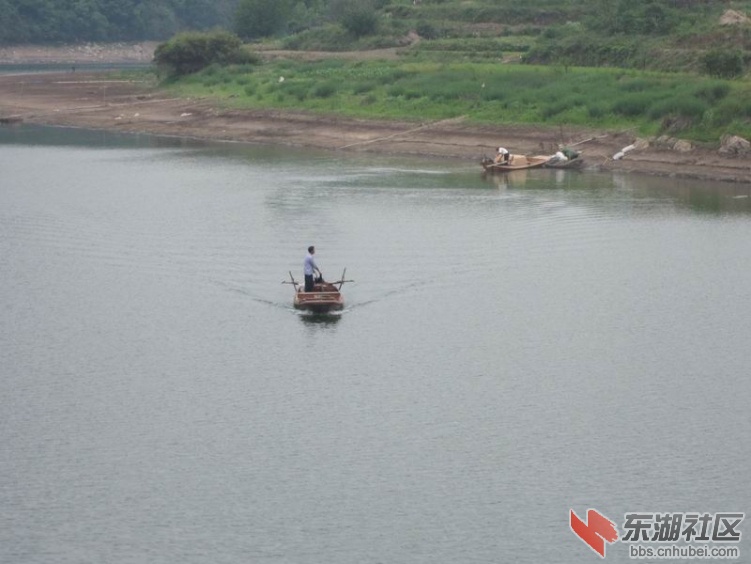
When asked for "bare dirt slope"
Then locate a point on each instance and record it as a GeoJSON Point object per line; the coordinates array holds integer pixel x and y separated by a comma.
{"type": "Point", "coordinates": [92, 100]}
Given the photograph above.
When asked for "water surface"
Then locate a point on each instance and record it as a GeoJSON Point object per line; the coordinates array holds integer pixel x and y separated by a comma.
{"type": "Point", "coordinates": [512, 348]}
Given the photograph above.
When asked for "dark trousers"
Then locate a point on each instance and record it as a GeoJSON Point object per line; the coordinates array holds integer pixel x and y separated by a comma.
{"type": "Point", "coordinates": [308, 282]}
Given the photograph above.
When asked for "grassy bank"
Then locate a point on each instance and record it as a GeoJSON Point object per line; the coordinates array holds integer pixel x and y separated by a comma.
{"type": "Point", "coordinates": [681, 105]}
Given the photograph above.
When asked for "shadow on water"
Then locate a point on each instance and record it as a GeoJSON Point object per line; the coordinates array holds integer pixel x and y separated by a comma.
{"type": "Point", "coordinates": [320, 319]}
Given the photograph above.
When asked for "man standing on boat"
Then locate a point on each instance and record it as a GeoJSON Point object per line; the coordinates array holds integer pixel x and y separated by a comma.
{"type": "Point", "coordinates": [502, 156]}
{"type": "Point", "coordinates": [309, 268]}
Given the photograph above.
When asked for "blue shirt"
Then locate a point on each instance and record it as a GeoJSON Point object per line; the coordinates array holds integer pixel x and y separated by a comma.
{"type": "Point", "coordinates": [310, 265]}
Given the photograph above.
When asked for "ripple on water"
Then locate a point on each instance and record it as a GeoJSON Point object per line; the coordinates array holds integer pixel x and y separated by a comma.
{"type": "Point", "coordinates": [151, 357]}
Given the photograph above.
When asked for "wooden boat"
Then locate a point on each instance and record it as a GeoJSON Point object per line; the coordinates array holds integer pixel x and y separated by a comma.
{"type": "Point", "coordinates": [571, 164]}
{"type": "Point", "coordinates": [515, 162]}
{"type": "Point", "coordinates": [326, 297]}
{"type": "Point", "coordinates": [570, 160]}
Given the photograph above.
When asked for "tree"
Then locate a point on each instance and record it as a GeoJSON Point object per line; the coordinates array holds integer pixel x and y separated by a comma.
{"type": "Point", "coordinates": [723, 63]}
{"type": "Point", "coordinates": [45, 21]}
{"type": "Point", "coordinates": [190, 52]}
{"type": "Point", "coordinates": [11, 27]}
{"type": "Point", "coordinates": [155, 20]}
{"type": "Point", "coordinates": [121, 18]}
{"type": "Point", "coordinates": [358, 17]}
{"type": "Point", "coordinates": [83, 21]}
{"type": "Point", "coordinates": [261, 18]}
{"type": "Point", "coordinates": [200, 14]}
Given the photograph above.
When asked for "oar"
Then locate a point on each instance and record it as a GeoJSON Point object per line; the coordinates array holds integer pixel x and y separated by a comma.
{"type": "Point", "coordinates": [294, 282]}
{"type": "Point", "coordinates": [342, 281]}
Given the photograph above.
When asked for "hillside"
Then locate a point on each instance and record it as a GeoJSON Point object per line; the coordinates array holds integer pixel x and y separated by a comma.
{"type": "Point", "coordinates": [712, 36]}
{"type": "Point", "coordinates": [673, 35]}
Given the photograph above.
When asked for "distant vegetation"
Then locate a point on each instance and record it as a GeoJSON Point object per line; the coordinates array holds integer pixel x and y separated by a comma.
{"type": "Point", "coordinates": [660, 66]}
{"type": "Point", "coordinates": [673, 35]}
{"type": "Point", "coordinates": [75, 21]}
{"type": "Point", "coordinates": [651, 34]}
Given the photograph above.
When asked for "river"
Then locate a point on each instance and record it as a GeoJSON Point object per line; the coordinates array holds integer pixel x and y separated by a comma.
{"type": "Point", "coordinates": [511, 349]}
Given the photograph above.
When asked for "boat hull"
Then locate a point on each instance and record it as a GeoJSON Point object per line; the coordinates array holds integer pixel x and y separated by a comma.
{"type": "Point", "coordinates": [571, 164]}
{"type": "Point", "coordinates": [320, 300]}
{"type": "Point", "coordinates": [516, 162]}
{"type": "Point", "coordinates": [324, 297]}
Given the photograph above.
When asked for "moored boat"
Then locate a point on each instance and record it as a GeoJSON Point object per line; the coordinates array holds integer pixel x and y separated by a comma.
{"type": "Point", "coordinates": [565, 158]}
{"type": "Point", "coordinates": [515, 162]}
{"type": "Point", "coordinates": [326, 297]}
{"type": "Point", "coordinates": [577, 163]}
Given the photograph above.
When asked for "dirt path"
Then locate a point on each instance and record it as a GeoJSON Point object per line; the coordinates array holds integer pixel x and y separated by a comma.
{"type": "Point", "coordinates": [92, 100]}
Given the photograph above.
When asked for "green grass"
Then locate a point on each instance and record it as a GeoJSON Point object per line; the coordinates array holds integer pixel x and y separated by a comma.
{"type": "Point", "coordinates": [684, 105]}
{"type": "Point", "coordinates": [589, 63]}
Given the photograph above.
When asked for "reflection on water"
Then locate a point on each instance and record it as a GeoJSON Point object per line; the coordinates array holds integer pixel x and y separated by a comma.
{"type": "Point", "coordinates": [698, 195]}
{"type": "Point", "coordinates": [506, 180]}
{"type": "Point", "coordinates": [25, 68]}
{"type": "Point", "coordinates": [505, 355]}
{"type": "Point", "coordinates": [92, 138]}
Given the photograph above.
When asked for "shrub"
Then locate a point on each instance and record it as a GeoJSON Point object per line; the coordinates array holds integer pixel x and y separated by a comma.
{"type": "Point", "coordinates": [731, 109]}
{"type": "Point", "coordinates": [360, 22]}
{"type": "Point", "coordinates": [596, 111]}
{"type": "Point", "coordinates": [358, 17]}
{"type": "Point", "coordinates": [363, 87]}
{"type": "Point", "coordinates": [190, 52]}
{"type": "Point", "coordinates": [679, 106]}
{"type": "Point", "coordinates": [587, 49]}
{"type": "Point", "coordinates": [560, 106]}
{"type": "Point", "coordinates": [395, 90]}
{"type": "Point", "coordinates": [636, 84]}
{"type": "Point", "coordinates": [714, 92]}
{"type": "Point", "coordinates": [299, 90]}
{"type": "Point", "coordinates": [323, 90]}
{"type": "Point", "coordinates": [326, 38]}
{"type": "Point", "coordinates": [722, 63]}
{"type": "Point", "coordinates": [633, 105]}
{"type": "Point", "coordinates": [426, 30]}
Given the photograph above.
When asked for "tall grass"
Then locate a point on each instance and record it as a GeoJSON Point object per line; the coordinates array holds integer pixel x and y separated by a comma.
{"type": "Point", "coordinates": [689, 105]}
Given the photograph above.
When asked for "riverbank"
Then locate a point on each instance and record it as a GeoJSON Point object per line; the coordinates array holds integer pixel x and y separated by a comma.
{"type": "Point", "coordinates": [95, 100]}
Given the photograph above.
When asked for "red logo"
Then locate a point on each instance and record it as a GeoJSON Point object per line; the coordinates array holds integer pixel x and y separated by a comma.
{"type": "Point", "coordinates": [596, 531]}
